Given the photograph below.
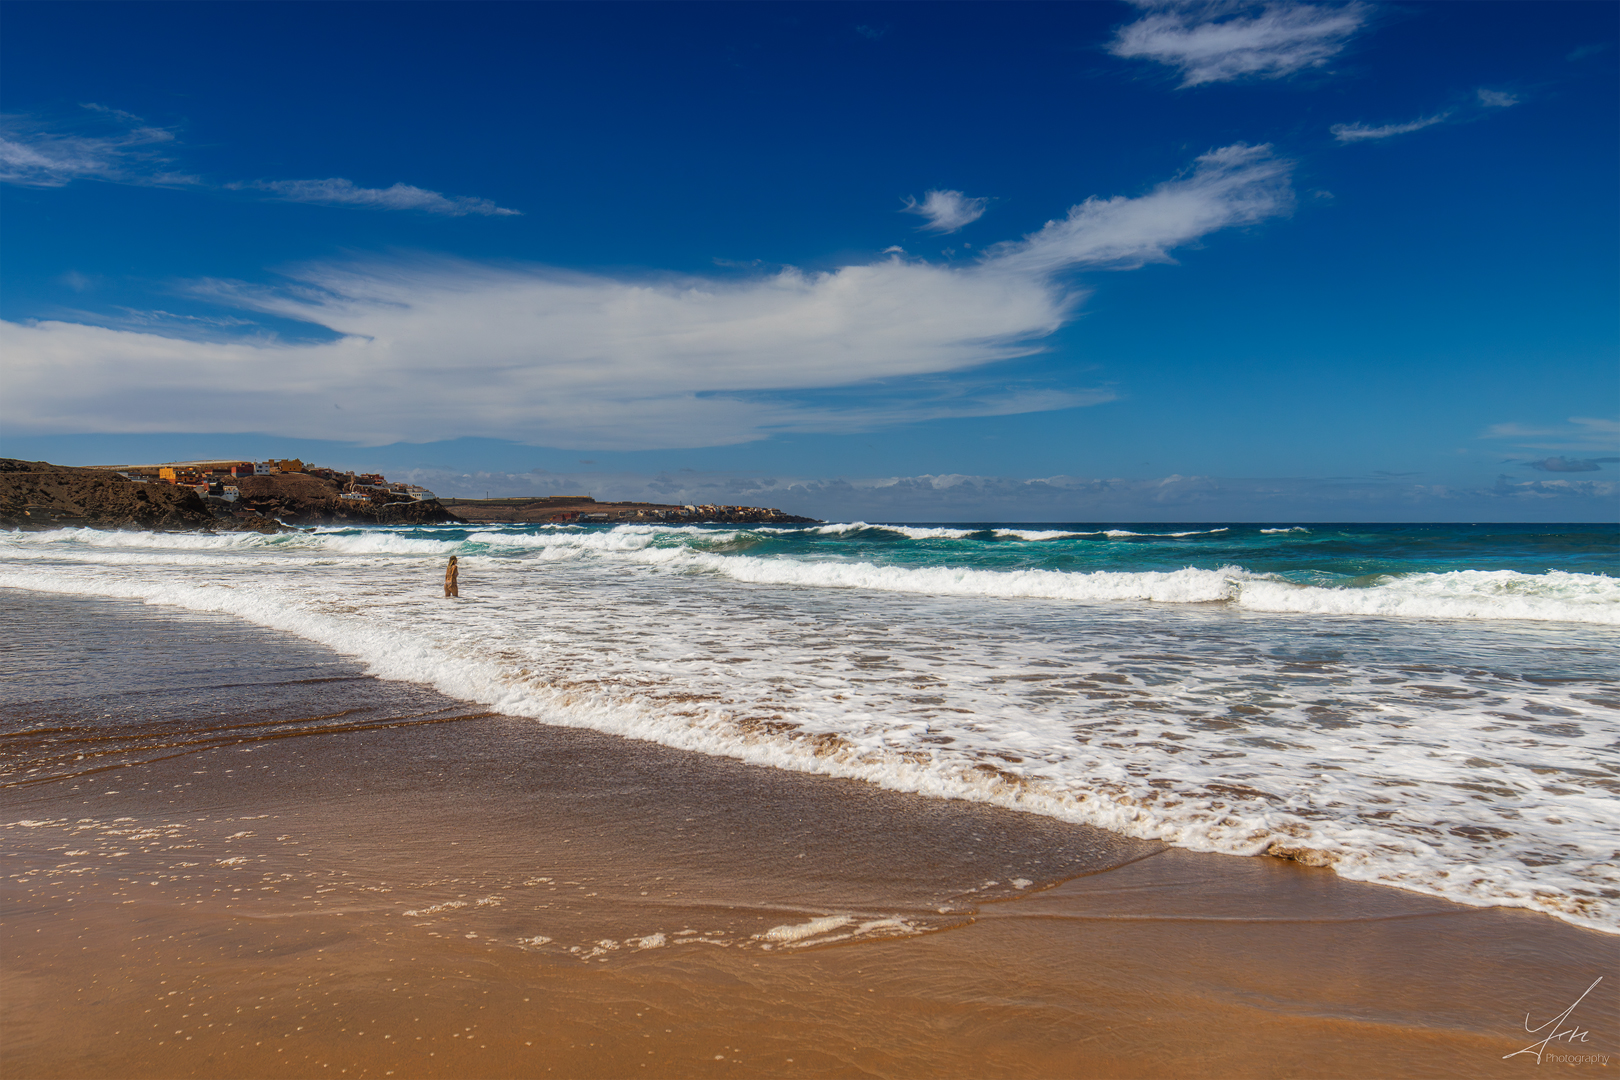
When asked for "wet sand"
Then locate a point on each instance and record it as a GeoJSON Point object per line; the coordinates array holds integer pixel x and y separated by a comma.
{"type": "Point", "coordinates": [230, 853]}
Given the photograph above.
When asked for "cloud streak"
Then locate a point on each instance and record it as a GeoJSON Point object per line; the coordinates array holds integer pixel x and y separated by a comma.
{"type": "Point", "coordinates": [1482, 99]}
{"type": "Point", "coordinates": [946, 211]}
{"type": "Point", "coordinates": [1564, 464]}
{"type": "Point", "coordinates": [1211, 41]}
{"type": "Point", "coordinates": [1349, 133]}
{"type": "Point", "coordinates": [339, 192]}
{"type": "Point", "coordinates": [133, 153]}
{"type": "Point", "coordinates": [1581, 435]}
{"type": "Point", "coordinates": [437, 349]}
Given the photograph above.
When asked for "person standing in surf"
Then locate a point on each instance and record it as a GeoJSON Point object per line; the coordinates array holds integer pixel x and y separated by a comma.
{"type": "Point", "coordinates": [450, 587]}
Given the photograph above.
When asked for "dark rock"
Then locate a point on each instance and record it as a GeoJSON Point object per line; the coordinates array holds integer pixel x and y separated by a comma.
{"type": "Point", "coordinates": [302, 499]}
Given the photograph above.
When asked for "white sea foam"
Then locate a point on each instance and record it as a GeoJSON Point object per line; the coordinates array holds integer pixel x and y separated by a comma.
{"type": "Point", "coordinates": [910, 532]}
{"type": "Point", "coordinates": [1556, 596]}
{"type": "Point", "coordinates": [1116, 533]}
{"type": "Point", "coordinates": [1043, 534]}
{"type": "Point", "coordinates": [1407, 750]}
{"type": "Point", "coordinates": [1290, 529]}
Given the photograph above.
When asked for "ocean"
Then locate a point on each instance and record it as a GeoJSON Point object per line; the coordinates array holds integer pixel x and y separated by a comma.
{"type": "Point", "coordinates": [1433, 707]}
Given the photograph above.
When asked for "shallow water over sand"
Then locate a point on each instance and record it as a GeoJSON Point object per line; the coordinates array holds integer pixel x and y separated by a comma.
{"type": "Point", "coordinates": [264, 863]}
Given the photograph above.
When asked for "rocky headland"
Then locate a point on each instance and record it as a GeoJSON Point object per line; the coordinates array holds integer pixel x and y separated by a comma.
{"type": "Point", "coordinates": [36, 495]}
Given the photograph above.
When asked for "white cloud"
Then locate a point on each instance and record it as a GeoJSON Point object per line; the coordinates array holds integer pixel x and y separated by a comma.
{"type": "Point", "coordinates": [128, 152]}
{"type": "Point", "coordinates": [1349, 133]}
{"type": "Point", "coordinates": [438, 349]}
{"type": "Point", "coordinates": [32, 157]}
{"type": "Point", "coordinates": [946, 211]}
{"type": "Point", "coordinates": [1222, 40]}
{"type": "Point", "coordinates": [1462, 113]}
{"type": "Point", "coordinates": [1235, 185]}
{"type": "Point", "coordinates": [340, 192]}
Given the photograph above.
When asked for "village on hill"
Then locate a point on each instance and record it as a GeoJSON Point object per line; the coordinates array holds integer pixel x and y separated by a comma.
{"type": "Point", "coordinates": [217, 478]}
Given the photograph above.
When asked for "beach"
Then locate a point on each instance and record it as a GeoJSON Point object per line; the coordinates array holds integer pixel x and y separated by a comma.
{"type": "Point", "coordinates": [302, 870]}
{"type": "Point", "coordinates": [236, 850]}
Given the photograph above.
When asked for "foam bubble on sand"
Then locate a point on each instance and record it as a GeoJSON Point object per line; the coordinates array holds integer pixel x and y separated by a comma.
{"type": "Point", "coordinates": [794, 932]}
{"type": "Point", "coordinates": [450, 905]}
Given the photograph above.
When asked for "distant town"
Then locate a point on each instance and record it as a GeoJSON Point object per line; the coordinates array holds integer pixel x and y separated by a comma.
{"type": "Point", "coordinates": [217, 478]}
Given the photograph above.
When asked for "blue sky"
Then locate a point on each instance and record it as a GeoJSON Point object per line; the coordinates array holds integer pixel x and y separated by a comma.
{"type": "Point", "coordinates": [907, 262]}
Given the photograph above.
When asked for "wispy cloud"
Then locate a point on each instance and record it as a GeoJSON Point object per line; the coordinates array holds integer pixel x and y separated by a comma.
{"type": "Point", "coordinates": [1221, 40]}
{"type": "Point", "coordinates": [1348, 133]}
{"type": "Point", "coordinates": [340, 192]}
{"type": "Point", "coordinates": [124, 149]}
{"type": "Point", "coordinates": [1564, 464]}
{"type": "Point", "coordinates": [946, 211]}
{"type": "Point", "coordinates": [1580, 435]}
{"type": "Point", "coordinates": [438, 349]}
{"type": "Point", "coordinates": [1235, 185]}
{"type": "Point", "coordinates": [119, 149]}
{"type": "Point", "coordinates": [1472, 109]}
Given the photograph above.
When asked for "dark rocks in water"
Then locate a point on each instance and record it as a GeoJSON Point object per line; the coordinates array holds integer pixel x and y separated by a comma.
{"type": "Point", "coordinates": [302, 499]}
{"type": "Point", "coordinates": [37, 495]}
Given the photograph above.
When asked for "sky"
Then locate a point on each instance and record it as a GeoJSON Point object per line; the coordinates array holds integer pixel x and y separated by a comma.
{"type": "Point", "coordinates": [901, 262]}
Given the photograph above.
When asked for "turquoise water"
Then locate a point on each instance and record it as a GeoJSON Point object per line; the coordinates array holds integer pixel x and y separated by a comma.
{"type": "Point", "coordinates": [1314, 554]}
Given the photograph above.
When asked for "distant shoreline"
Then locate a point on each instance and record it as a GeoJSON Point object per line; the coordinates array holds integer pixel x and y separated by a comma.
{"type": "Point", "coordinates": [582, 509]}
{"type": "Point", "coordinates": [40, 495]}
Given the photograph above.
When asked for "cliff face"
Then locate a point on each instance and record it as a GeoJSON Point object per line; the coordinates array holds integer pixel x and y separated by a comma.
{"type": "Point", "coordinates": [38, 495]}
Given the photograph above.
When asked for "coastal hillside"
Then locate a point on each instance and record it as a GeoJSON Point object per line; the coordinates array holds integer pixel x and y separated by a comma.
{"type": "Point", "coordinates": [39, 495]}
